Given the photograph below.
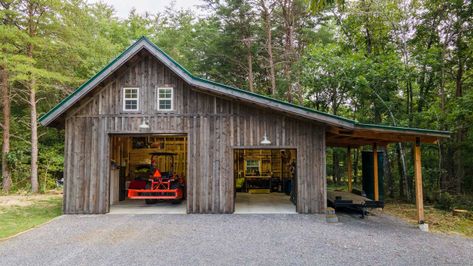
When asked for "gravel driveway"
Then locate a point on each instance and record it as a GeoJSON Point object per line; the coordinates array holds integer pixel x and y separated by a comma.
{"type": "Point", "coordinates": [230, 240]}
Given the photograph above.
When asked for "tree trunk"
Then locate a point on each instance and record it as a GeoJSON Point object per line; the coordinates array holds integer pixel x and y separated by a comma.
{"type": "Point", "coordinates": [459, 79]}
{"type": "Point", "coordinates": [387, 172]}
{"type": "Point", "coordinates": [272, 74]}
{"type": "Point", "coordinates": [250, 70]}
{"type": "Point", "coordinates": [6, 175]}
{"type": "Point", "coordinates": [459, 160]}
{"type": "Point", "coordinates": [266, 15]}
{"type": "Point", "coordinates": [443, 164]}
{"type": "Point", "coordinates": [34, 139]}
{"type": "Point", "coordinates": [368, 38]}
{"type": "Point", "coordinates": [355, 166]}
{"type": "Point", "coordinates": [462, 132]}
{"type": "Point", "coordinates": [32, 26]}
{"type": "Point", "coordinates": [410, 178]}
{"type": "Point", "coordinates": [442, 176]}
{"type": "Point", "coordinates": [410, 103]}
{"type": "Point", "coordinates": [287, 9]}
{"type": "Point", "coordinates": [247, 41]}
{"type": "Point", "coordinates": [336, 163]}
{"type": "Point", "coordinates": [402, 173]}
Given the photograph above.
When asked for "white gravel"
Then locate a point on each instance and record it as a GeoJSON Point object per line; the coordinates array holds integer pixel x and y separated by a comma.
{"type": "Point", "coordinates": [231, 240]}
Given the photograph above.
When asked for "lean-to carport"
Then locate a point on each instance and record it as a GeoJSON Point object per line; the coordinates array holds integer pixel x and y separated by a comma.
{"type": "Point", "coordinates": [378, 135]}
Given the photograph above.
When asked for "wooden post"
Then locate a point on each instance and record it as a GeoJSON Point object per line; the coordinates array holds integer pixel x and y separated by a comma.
{"type": "Point", "coordinates": [418, 176]}
{"type": "Point", "coordinates": [375, 172]}
{"type": "Point", "coordinates": [349, 169]}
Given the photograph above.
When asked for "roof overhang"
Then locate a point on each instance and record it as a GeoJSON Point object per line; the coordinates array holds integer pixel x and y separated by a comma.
{"type": "Point", "coordinates": [368, 134]}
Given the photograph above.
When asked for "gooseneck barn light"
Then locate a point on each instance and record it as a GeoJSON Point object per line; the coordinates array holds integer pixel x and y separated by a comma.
{"type": "Point", "coordinates": [144, 124]}
{"type": "Point", "coordinates": [265, 140]}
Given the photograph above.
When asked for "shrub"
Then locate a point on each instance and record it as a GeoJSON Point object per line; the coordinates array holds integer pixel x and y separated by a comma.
{"type": "Point", "coordinates": [445, 202]}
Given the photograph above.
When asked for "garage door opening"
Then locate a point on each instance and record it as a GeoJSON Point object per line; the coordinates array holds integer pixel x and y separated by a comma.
{"type": "Point", "coordinates": [265, 180]}
{"type": "Point", "coordinates": [148, 174]}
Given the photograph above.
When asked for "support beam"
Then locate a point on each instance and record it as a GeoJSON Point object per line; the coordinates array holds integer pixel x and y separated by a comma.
{"type": "Point", "coordinates": [418, 182]}
{"type": "Point", "coordinates": [375, 172]}
{"type": "Point", "coordinates": [349, 169]}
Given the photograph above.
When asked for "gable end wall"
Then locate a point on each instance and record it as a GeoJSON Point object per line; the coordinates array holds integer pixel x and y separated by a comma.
{"type": "Point", "coordinates": [214, 125]}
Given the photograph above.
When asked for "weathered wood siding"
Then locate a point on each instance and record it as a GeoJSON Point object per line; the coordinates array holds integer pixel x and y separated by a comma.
{"type": "Point", "coordinates": [214, 126]}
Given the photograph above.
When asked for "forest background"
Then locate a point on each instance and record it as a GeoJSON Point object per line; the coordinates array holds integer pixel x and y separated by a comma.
{"type": "Point", "coordinates": [393, 62]}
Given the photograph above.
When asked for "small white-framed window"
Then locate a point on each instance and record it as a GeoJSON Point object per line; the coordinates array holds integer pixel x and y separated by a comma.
{"type": "Point", "coordinates": [131, 99]}
{"type": "Point", "coordinates": [252, 167]}
{"type": "Point", "coordinates": [165, 99]}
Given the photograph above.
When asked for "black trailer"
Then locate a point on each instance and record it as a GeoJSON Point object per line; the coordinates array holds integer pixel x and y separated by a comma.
{"type": "Point", "coordinates": [347, 200]}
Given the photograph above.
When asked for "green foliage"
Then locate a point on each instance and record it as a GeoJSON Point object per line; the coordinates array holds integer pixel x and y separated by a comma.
{"type": "Point", "coordinates": [51, 163]}
{"type": "Point", "coordinates": [316, 6]}
{"type": "Point", "coordinates": [374, 61]}
{"type": "Point", "coordinates": [445, 202]}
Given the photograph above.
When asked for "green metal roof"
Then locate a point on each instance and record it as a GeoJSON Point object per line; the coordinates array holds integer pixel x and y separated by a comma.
{"type": "Point", "coordinates": [396, 128]}
{"type": "Point", "coordinates": [354, 123]}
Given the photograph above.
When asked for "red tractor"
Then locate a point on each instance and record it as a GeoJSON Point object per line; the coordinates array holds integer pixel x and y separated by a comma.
{"type": "Point", "coordinates": [163, 184]}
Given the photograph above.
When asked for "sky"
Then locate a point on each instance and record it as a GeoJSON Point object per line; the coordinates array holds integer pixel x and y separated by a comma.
{"type": "Point", "coordinates": [123, 7]}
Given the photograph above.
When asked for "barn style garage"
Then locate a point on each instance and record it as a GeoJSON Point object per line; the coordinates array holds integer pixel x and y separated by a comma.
{"type": "Point", "coordinates": [230, 141]}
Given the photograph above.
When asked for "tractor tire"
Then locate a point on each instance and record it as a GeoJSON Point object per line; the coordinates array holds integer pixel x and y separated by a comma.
{"type": "Point", "coordinates": [149, 201]}
{"type": "Point", "coordinates": [178, 201]}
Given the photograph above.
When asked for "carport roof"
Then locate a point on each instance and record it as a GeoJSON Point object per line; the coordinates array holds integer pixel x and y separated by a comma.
{"type": "Point", "coordinates": [340, 129]}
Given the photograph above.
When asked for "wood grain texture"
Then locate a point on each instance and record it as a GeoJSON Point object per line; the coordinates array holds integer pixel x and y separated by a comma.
{"type": "Point", "coordinates": [418, 182]}
{"type": "Point", "coordinates": [214, 127]}
{"type": "Point", "coordinates": [375, 172]}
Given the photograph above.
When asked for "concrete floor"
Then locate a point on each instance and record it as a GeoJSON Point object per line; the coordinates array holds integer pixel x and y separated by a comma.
{"type": "Point", "coordinates": [245, 203]}
{"type": "Point", "coordinates": [263, 203]}
{"type": "Point", "coordinates": [140, 207]}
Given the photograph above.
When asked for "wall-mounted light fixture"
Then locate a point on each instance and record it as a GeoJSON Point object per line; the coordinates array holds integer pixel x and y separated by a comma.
{"type": "Point", "coordinates": [265, 140]}
{"type": "Point", "coordinates": [144, 124]}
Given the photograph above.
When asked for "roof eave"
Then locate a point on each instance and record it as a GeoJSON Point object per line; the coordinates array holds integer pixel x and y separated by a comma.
{"type": "Point", "coordinates": [404, 130]}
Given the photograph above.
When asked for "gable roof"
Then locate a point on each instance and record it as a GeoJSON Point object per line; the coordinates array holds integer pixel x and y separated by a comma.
{"type": "Point", "coordinates": [215, 88]}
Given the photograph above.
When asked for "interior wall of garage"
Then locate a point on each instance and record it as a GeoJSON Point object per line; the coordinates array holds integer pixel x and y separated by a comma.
{"type": "Point", "coordinates": [214, 126]}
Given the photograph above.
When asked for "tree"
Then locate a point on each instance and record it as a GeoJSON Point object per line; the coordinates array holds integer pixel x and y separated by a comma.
{"type": "Point", "coordinates": [316, 6]}
{"type": "Point", "coordinates": [6, 176]}
{"type": "Point", "coordinates": [5, 93]}
{"type": "Point", "coordinates": [35, 19]}
{"type": "Point", "coordinates": [267, 8]}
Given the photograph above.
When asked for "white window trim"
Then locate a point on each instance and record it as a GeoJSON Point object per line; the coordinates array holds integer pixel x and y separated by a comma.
{"type": "Point", "coordinates": [137, 99]}
{"type": "Point", "coordinates": [158, 98]}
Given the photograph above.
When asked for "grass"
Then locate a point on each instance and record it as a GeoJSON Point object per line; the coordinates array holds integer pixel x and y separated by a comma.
{"type": "Point", "coordinates": [20, 213]}
{"type": "Point", "coordinates": [341, 186]}
{"type": "Point", "coordinates": [438, 220]}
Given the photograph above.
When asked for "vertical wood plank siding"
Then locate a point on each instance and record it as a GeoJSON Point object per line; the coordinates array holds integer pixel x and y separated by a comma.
{"type": "Point", "coordinates": [214, 126]}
